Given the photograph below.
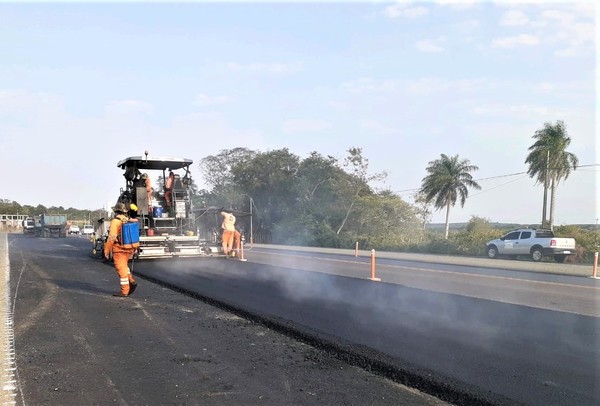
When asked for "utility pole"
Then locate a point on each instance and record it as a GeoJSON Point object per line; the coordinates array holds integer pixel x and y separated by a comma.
{"type": "Point", "coordinates": [251, 236]}
{"type": "Point", "coordinates": [251, 201]}
{"type": "Point", "coordinates": [597, 243]}
{"type": "Point", "coordinates": [545, 190]}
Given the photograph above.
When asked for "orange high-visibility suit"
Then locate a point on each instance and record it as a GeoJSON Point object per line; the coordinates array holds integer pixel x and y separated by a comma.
{"type": "Point", "coordinates": [228, 227]}
{"type": "Point", "coordinates": [169, 188]}
{"type": "Point", "coordinates": [148, 191]}
{"type": "Point", "coordinates": [121, 255]}
{"type": "Point", "coordinates": [237, 237]}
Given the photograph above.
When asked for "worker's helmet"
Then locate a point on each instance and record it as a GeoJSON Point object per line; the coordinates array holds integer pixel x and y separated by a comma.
{"type": "Point", "coordinates": [133, 207]}
{"type": "Point", "coordinates": [120, 208]}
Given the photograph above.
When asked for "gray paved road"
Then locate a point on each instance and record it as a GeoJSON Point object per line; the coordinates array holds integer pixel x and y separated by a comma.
{"type": "Point", "coordinates": [505, 352]}
{"type": "Point", "coordinates": [481, 262]}
{"type": "Point", "coordinates": [460, 347]}
{"type": "Point", "coordinates": [548, 286]}
{"type": "Point", "coordinates": [78, 345]}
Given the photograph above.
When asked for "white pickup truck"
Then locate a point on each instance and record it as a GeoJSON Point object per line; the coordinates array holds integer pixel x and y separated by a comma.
{"type": "Point", "coordinates": [535, 243]}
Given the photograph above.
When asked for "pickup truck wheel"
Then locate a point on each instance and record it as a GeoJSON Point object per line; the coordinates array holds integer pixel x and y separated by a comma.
{"type": "Point", "coordinates": [537, 254]}
{"type": "Point", "coordinates": [492, 252]}
{"type": "Point", "coordinates": [560, 258]}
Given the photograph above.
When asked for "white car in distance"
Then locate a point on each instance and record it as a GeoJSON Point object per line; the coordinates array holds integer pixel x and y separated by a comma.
{"type": "Point", "coordinates": [88, 230]}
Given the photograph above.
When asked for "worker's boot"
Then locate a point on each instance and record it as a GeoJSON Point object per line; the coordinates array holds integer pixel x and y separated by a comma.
{"type": "Point", "coordinates": [132, 287]}
{"type": "Point", "coordinates": [124, 282]}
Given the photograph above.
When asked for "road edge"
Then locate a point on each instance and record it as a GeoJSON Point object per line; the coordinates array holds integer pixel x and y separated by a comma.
{"type": "Point", "coordinates": [482, 262]}
{"type": "Point", "coordinates": [8, 388]}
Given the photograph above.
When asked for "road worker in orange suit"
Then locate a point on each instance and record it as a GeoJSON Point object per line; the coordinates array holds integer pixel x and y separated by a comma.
{"type": "Point", "coordinates": [228, 227]}
{"type": "Point", "coordinates": [148, 190]}
{"type": "Point", "coordinates": [121, 254]}
{"type": "Point", "coordinates": [169, 188]}
{"type": "Point", "coordinates": [237, 240]}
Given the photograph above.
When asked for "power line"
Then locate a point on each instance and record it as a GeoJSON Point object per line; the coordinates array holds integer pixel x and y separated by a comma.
{"type": "Point", "coordinates": [521, 173]}
{"type": "Point", "coordinates": [497, 186]}
{"type": "Point", "coordinates": [498, 177]}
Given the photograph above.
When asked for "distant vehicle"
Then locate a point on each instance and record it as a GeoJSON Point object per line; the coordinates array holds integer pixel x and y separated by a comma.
{"type": "Point", "coordinates": [29, 225]}
{"type": "Point", "coordinates": [74, 229]}
{"type": "Point", "coordinates": [87, 229]}
{"type": "Point", "coordinates": [50, 225]}
{"type": "Point", "coordinates": [538, 244]}
{"type": "Point", "coordinates": [101, 236]}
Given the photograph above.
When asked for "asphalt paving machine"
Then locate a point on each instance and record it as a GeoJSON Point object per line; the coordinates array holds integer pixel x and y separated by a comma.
{"type": "Point", "coordinates": [170, 225]}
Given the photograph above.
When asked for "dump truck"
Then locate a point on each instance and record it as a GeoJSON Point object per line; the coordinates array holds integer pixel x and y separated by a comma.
{"type": "Point", "coordinates": [28, 225]}
{"type": "Point", "coordinates": [50, 225]}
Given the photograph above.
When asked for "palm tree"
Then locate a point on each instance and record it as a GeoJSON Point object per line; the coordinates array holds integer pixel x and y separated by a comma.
{"type": "Point", "coordinates": [549, 162]}
{"type": "Point", "coordinates": [448, 179]}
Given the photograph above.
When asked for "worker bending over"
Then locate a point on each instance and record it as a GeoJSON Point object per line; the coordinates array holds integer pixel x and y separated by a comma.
{"type": "Point", "coordinates": [229, 231]}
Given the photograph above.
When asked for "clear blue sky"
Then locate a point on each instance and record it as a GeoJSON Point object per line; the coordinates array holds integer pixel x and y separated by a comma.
{"type": "Point", "coordinates": [85, 85]}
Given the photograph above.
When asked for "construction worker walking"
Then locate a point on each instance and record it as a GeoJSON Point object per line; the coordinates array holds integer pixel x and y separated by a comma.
{"type": "Point", "coordinates": [120, 253]}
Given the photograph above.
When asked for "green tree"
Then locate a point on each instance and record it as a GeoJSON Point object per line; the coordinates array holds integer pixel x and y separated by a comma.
{"type": "Point", "coordinates": [270, 178]}
{"type": "Point", "coordinates": [478, 225]}
{"type": "Point", "coordinates": [358, 183]}
{"type": "Point", "coordinates": [317, 211]}
{"type": "Point", "coordinates": [471, 240]}
{"type": "Point", "coordinates": [316, 174]}
{"type": "Point", "coordinates": [549, 162]}
{"type": "Point", "coordinates": [216, 170]}
{"type": "Point", "coordinates": [10, 207]}
{"type": "Point", "coordinates": [217, 173]}
{"type": "Point", "coordinates": [423, 209]}
{"type": "Point", "coordinates": [384, 221]}
{"type": "Point", "coordinates": [449, 179]}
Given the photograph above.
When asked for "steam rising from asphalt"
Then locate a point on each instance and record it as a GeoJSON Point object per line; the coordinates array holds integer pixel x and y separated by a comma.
{"type": "Point", "coordinates": [365, 301]}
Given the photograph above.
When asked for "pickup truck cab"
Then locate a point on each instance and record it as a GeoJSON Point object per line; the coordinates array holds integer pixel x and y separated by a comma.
{"type": "Point", "coordinates": [538, 244]}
